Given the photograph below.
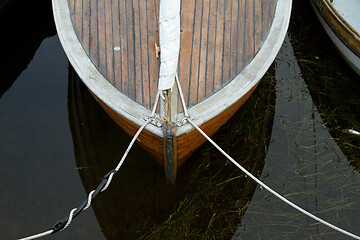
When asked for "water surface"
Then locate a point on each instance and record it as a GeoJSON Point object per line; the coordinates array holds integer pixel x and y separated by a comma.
{"type": "Point", "coordinates": [56, 144]}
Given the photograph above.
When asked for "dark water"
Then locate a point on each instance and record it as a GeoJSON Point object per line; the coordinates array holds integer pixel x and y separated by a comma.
{"type": "Point", "coordinates": [56, 144]}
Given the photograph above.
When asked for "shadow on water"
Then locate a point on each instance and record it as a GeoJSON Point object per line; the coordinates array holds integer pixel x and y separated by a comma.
{"type": "Point", "coordinates": [306, 161]}
{"type": "Point", "coordinates": [23, 26]}
{"type": "Point", "coordinates": [210, 196]}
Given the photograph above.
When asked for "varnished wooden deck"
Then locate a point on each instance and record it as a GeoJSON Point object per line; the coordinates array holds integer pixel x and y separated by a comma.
{"type": "Point", "coordinates": [218, 39]}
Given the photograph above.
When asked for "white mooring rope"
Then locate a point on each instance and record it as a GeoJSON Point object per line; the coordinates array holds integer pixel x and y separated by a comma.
{"type": "Point", "coordinates": [38, 235]}
{"type": "Point", "coordinates": [188, 118]}
{"type": "Point", "coordinates": [269, 189]}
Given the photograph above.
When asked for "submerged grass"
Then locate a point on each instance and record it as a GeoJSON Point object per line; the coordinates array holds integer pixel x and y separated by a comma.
{"type": "Point", "coordinates": [333, 85]}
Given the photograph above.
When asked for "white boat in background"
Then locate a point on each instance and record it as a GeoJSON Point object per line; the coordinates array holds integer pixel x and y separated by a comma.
{"type": "Point", "coordinates": [341, 21]}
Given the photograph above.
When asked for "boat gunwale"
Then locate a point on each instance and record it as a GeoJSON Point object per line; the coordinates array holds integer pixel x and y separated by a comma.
{"type": "Point", "coordinates": [202, 112]}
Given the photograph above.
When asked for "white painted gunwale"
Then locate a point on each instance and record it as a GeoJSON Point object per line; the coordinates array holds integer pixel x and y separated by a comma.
{"type": "Point", "coordinates": [202, 112]}
{"type": "Point", "coordinates": [348, 54]}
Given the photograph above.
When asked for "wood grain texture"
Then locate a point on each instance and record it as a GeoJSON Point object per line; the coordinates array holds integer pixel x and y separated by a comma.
{"type": "Point", "coordinates": [218, 39]}
{"type": "Point", "coordinates": [150, 142]}
{"type": "Point", "coordinates": [189, 142]}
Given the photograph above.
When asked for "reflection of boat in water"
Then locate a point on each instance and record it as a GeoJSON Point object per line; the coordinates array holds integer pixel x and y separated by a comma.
{"type": "Point", "coordinates": [20, 39]}
{"type": "Point", "coordinates": [341, 21]}
{"type": "Point", "coordinates": [332, 85]}
{"type": "Point", "coordinates": [139, 202]}
{"type": "Point", "coordinates": [99, 144]}
{"type": "Point", "coordinates": [220, 50]}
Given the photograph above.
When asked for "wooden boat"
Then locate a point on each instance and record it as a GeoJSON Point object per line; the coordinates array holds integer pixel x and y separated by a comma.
{"type": "Point", "coordinates": [341, 21]}
{"type": "Point", "coordinates": [225, 47]}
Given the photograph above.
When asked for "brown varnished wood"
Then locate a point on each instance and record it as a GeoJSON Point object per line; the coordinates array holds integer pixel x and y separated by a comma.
{"type": "Point", "coordinates": [193, 57]}
{"type": "Point", "coordinates": [117, 43]}
{"type": "Point", "coordinates": [121, 83]}
{"type": "Point", "coordinates": [185, 144]}
{"type": "Point", "coordinates": [225, 61]}
{"type": "Point", "coordinates": [108, 41]}
{"type": "Point", "coordinates": [189, 142]}
{"type": "Point", "coordinates": [218, 39]}
{"type": "Point", "coordinates": [257, 24]}
{"type": "Point", "coordinates": [93, 47]}
{"type": "Point", "coordinates": [149, 141]}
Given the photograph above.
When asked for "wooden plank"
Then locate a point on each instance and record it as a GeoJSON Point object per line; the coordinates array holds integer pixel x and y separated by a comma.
{"type": "Point", "coordinates": [235, 40]}
{"type": "Point", "coordinates": [78, 17]}
{"type": "Point", "coordinates": [137, 52]}
{"type": "Point", "coordinates": [109, 44]}
{"type": "Point", "coordinates": [266, 20]}
{"type": "Point", "coordinates": [204, 43]}
{"type": "Point", "coordinates": [102, 37]}
{"type": "Point", "coordinates": [249, 32]}
{"type": "Point", "coordinates": [144, 54]}
{"type": "Point", "coordinates": [116, 43]}
{"type": "Point", "coordinates": [71, 4]}
{"type": "Point", "coordinates": [257, 25]}
{"type": "Point", "coordinates": [152, 26]}
{"type": "Point", "coordinates": [131, 49]}
{"type": "Point", "coordinates": [242, 19]}
{"type": "Point", "coordinates": [227, 44]}
{"type": "Point", "coordinates": [85, 25]}
{"type": "Point", "coordinates": [195, 53]}
{"type": "Point", "coordinates": [223, 17]}
{"type": "Point", "coordinates": [125, 76]}
{"type": "Point", "coordinates": [93, 44]}
{"type": "Point", "coordinates": [211, 47]}
{"type": "Point", "coordinates": [187, 37]}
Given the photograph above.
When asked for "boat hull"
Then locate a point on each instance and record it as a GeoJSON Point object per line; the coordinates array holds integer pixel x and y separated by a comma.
{"type": "Point", "coordinates": [186, 143]}
{"type": "Point", "coordinates": [343, 35]}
